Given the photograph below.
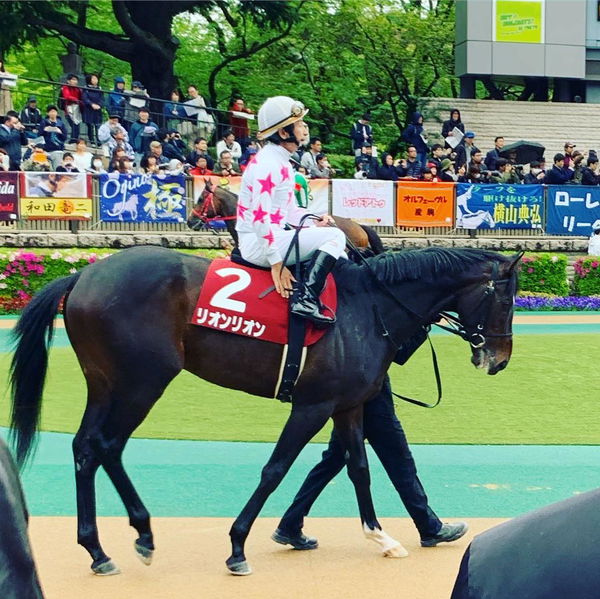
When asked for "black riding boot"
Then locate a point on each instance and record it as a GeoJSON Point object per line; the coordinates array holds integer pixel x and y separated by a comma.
{"type": "Point", "coordinates": [305, 302]}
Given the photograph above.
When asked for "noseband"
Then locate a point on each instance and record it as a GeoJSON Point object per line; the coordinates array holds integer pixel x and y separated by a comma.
{"type": "Point", "coordinates": [477, 336]}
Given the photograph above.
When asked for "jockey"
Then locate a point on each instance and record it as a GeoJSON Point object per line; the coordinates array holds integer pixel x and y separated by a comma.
{"type": "Point", "coordinates": [267, 211]}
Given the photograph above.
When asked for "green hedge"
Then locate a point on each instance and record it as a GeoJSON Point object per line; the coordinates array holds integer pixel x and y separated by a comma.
{"type": "Point", "coordinates": [587, 276]}
{"type": "Point", "coordinates": [543, 273]}
{"type": "Point", "coordinates": [344, 165]}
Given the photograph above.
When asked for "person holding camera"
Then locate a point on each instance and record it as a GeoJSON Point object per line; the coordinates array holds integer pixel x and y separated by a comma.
{"type": "Point", "coordinates": [411, 167]}
{"type": "Point", "coordinates": [536, 173]}
{"type": "Point", "coordinates": [369, 163]}
{"type": "Point", "coordinates": [389, 169]}
{"type": "Point", "coordinates": [322, 168]}
{"type": "Point", "coordinates": [506, 173]}
{"type": "Point", "coordinates": [169, 149]}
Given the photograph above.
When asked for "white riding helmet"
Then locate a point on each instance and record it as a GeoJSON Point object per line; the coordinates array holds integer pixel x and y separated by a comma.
{"type": "Point", "coordinates": [278, 112]}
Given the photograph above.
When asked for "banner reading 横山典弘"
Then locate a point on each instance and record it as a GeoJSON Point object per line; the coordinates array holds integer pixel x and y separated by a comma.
{"type": "Point", "coordinates": [368, 202]}
{"type": "Point", "coordinates": [142, 198]}
{"type": "Point", "coordinates": [573, 210]}
{"type": "Point", "coordinates": [490, 206]}
{"type": "Point", "coordinates": [63, 196]}
{"type": "Point", "coordinates": [424, 204]}
{"type": "Point", "coordinates": [9, 197]}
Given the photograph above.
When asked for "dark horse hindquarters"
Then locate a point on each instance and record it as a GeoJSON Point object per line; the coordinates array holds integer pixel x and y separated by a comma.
{"type": "Point", "coordinates": [127, 317]}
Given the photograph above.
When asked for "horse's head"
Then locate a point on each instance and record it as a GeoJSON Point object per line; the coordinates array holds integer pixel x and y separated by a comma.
{"type": "Point", "coordinates": [485, 307]}
{"type": "Point", "coordinates": [204, 208]}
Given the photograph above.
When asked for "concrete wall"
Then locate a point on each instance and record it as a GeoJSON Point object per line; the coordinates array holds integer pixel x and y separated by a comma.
{"type": "Point", "coordinates": [561, 54]}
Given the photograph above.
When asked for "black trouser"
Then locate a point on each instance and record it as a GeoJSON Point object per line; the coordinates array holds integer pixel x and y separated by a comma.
{"type": "Point", "coordinates": [384, 432]}
{"type": "Point", "coordinates": [74, 128]}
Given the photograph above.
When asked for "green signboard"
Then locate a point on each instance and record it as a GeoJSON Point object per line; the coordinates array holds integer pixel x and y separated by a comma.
{"type": "Point", "coordinates": [519, 21]}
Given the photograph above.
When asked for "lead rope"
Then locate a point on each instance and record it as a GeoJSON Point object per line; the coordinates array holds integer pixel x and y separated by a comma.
{"type": "Point", "coordinates": [386, 334]}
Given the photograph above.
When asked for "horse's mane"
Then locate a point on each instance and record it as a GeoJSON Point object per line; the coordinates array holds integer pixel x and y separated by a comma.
{"type": "Point", "coordinates": [424, 264]}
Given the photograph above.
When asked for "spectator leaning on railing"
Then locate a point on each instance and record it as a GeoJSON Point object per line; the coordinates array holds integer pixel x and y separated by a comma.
{"type": "Point", "coordinates": [226, 167]}
{"type": "Point", "coordinates": [200, 150]}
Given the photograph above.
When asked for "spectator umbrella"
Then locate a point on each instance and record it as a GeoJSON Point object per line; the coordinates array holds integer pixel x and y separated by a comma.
{"type": "Point", "coordinates": [526, 151]}
{"type": "Point", "coordinates": [549, 553]}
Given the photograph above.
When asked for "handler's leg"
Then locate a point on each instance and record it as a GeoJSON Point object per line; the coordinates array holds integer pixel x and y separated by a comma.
{"type": "Point", "coordinates": [386, 436]}
{"type": "Point", "coordinates": [289, 531]}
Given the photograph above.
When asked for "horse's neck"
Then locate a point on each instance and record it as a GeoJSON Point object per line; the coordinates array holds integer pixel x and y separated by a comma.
{"type": "Point", "coordinates": [228, 204]}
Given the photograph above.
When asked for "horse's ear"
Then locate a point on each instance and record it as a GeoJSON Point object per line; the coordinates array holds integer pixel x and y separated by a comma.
{"type": "Point", "coordinates": [515, 260]}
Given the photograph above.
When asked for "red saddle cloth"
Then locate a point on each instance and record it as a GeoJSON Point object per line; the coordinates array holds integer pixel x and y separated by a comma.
{"type": "Point", "coordinates": [232, 299]}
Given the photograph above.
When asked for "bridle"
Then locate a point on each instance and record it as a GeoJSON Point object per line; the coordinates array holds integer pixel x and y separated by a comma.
{"type": "Point", "coordinates": [207, 205]}
{"type": "Point", "coordinates": [477, 335]}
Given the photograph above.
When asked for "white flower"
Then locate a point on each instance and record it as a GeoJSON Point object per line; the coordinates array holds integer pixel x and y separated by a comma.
{"type": "Point", "coordinates": [70, 259]}
{"type": "Point", "coordinates": [3, 285]}
{"type": "Point", "coordinates": [2, 277]}
{"type": "Point", "coordinates": [55, 256]}
{"type": "Point", "coordinates": [72, 270]}
{"type": "Point", "coordinates": [554, 258]}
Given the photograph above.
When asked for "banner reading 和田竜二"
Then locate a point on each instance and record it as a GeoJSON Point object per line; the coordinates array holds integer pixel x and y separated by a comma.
{"type": "Point", "coordinates": [9, 196]}
{"type": "Point", "coordinates": [490, 206]}
{"type": "Point", "coordinates": [65, 196]}
{"type": "Point", "coordinates": [368, 202]}
{"type": "Point", "coordinates": [573, 210]}
{"type": "Point", "coordinates": [424, 204]}
{"type": "Point", "coordinates": [142, 198]}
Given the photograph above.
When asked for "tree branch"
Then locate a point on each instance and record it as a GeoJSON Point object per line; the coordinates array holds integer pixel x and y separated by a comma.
{"type": "Point", "coordinates": [116, 45]}
{"type": "Point", "coordinates": [220, 35]}
{"type": "Point", "coordinates": [228, 16]}
{"type": "Point", "coordinates": [135, 32]}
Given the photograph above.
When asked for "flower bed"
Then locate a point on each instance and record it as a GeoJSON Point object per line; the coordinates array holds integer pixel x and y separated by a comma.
{"type": "Point", "coordinates": [543, 273]}
{"type": "Point", "coordinates": [23, 272]}
{"type": "Point", "coordinates": [554, 303]}
{"type": "Point", "coordinates": [587, 276]}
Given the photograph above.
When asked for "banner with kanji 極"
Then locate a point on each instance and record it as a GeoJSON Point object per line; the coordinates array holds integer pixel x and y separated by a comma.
{"type": "Point", "coordinates": [424, 204]}
{"type": "Point", "coordinates": [142, 198]}
{"type": "Point", "coordinates": [573, 210]}
{"type": "Point", "coordinates": [502, 206]}
{"type": "Point", "coordinates": [368, 202]}
{"type": "Point", "coordinates": [64, 196]}
{"type": "Point", "coordinates": [9, 196]}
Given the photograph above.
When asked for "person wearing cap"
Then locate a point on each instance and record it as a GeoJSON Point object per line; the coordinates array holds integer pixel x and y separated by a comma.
{"type": "Point", "coordinates": [569, 149]}
{"type": "Point", "coordinates": [31, 117]}
{"type": "Point", "coordinates": [116, 99]}
{"type": "Point", "coordinates": [175, 166]}
{"type": "Point", "coordinates": [464, 149]}
{"type": "Point", "coordinates": [447, 173]}
{"type": "Point", "coordinates": [156, 150]}
{"type": "Point", "coordinates": [54, 132]}
{"type": "Point", "coordinates": [267, 209]}
{"type": "Point", "coordinates": [360, 133]}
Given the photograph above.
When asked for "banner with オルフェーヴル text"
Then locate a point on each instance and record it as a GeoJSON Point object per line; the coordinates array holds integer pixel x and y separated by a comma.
{"type": "Point", "coordinates": [9, 196]}
{"type": "Point", "coordinates": [142, 198]}
{"type": "Point", "coordinates": [424, 204]}
{"type": "Point", "coordinates": [65, 196]}
{"type": "Point", "coordinates": [368, 202]}
{"type": "Point", "coordinates": [502, 206]}
{"type": "Point", "coordinates": [573, 209]}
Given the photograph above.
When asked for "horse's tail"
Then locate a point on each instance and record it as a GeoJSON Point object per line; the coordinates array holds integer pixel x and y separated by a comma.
{"type": "Point", "coordinates": [374, 240]}
{"type": "Point", "coordinates": [32, 336]}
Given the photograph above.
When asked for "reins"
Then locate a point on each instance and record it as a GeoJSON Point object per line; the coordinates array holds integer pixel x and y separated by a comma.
{"type": "Point", "coordinates": [207, 204]}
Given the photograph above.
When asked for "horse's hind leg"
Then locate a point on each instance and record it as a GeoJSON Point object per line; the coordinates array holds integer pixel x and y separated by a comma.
{"type": "Point", "coordinates": [300, 428]}
{"type": "Point", "coordinates": [348, 426]}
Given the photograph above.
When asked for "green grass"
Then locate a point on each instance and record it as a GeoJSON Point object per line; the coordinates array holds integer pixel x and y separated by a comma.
{"type": "Point", "coordinates": [547, 394]}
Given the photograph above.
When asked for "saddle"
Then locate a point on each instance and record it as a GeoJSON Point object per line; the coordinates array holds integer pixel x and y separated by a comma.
{"type": "Point", "coordinates": [239, 297]}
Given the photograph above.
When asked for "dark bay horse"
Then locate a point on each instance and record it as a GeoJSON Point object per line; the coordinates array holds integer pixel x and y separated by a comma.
{"type": "Point", "coordinates": [128, 317]}
{"type": "Point", "coordinates": [218, 203]}
{"type": "Point", "coordinates": [18, 576]}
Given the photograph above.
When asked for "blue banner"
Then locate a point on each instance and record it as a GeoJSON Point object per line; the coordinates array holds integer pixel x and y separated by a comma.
{"type": "Point", "coordinates": [490, 206]}
{"type": "Point", "coordinates": [142, 198]}
{"type": "Point", "coordinates": [573, 209]}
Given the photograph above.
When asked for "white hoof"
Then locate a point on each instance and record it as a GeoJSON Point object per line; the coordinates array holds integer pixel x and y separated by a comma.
{"type": "Point", "coordinates": [389, 546]}
{"type": "Point", "coordinates": [108, 568]}
{"type": "Point", "coordinates": [397, 551]}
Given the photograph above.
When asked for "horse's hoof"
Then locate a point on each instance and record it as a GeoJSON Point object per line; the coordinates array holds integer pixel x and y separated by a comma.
{"type": "Point", "coordinates": [143, 553]}
{"type": "Point", "coordinates": [105, 568]}
{"type": "Point", "coordinates": [239, 568]}
{"type": "Point", "coordinates": [396, 551]}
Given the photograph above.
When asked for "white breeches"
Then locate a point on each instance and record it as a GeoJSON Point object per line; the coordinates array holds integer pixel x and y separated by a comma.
{"type": "Point", "coordinates": [326, 239]}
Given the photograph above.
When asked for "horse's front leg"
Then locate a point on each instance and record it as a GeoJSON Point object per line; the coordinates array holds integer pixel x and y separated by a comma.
{"type": "Point", "coordinates": [302, 425]}
{"type": "Point", "coordinates": [349, 427]}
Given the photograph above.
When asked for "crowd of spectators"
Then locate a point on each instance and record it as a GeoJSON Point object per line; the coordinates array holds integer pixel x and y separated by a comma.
{"type": "Point", "coordinates": [123, 135]}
